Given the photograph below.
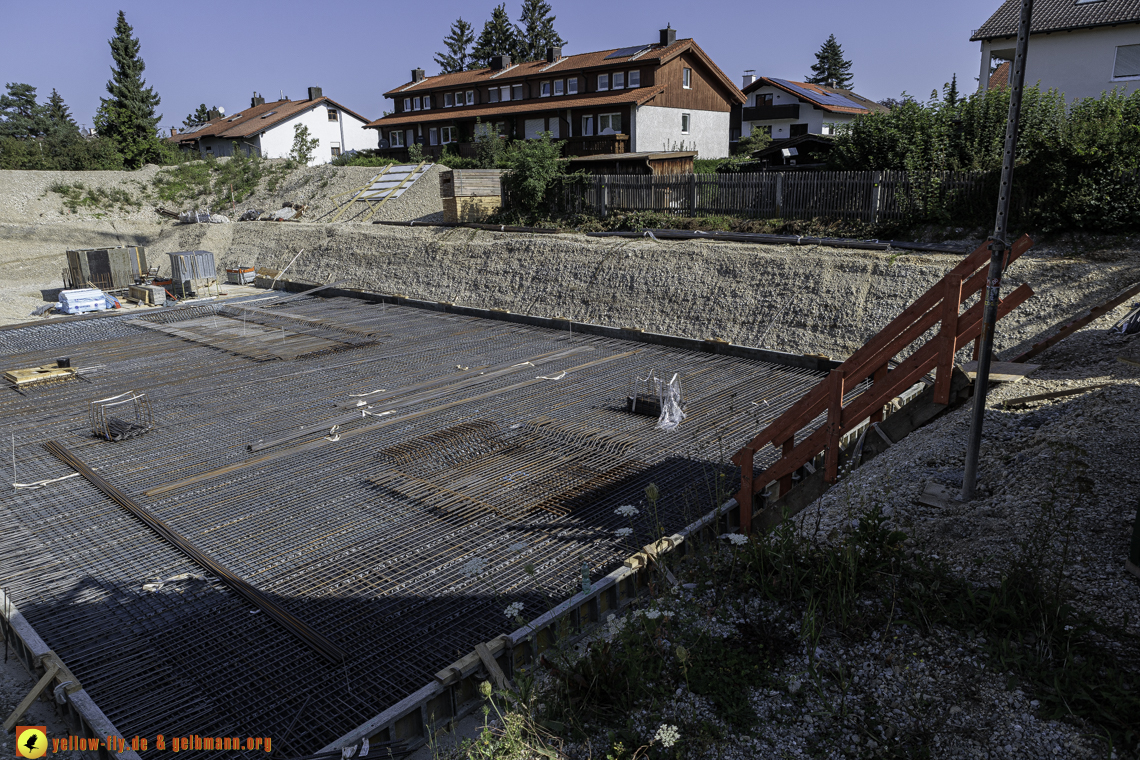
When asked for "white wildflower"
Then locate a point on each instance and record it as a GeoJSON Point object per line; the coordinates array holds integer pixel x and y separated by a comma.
{"type": "Point", "coordinates": [475, 567]}
{"type": "Point", "coordinates": [627, 510]}
{"type": "Point", "coordinates": [513, 610]}
{"type": "Point", "coordinates": [623, 532]}
{"type": "Point", "coordinates": [736, 539]}
{"type": "Point", "coordinates": [652, 614]}
{"type": "Point", "coordinates": [667, 735]}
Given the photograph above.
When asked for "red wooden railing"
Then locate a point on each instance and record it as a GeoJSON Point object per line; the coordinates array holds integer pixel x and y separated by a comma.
{"type": "Point", "coordinates": [939, 305]}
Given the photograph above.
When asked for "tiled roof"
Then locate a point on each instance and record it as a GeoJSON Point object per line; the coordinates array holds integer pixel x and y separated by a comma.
{"type": "Point", "coordinates": [486, 110]}
{"type": "Point", "coordinates": [1000, 77]}
{"type": "Point", "coordinates": [655, 55]}
{"type": "Point", "coordinates": [255, 119]}
{"type": "Point", "coordinates": [1059, 15]}
{"type": "Point", "coordinates": [817, 95]}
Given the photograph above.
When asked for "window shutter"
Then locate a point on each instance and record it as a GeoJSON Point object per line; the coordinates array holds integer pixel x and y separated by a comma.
{"type": "Point", "coordinates": [532, 128]}
{"type": "Point", "coordinates": [1127, 61]}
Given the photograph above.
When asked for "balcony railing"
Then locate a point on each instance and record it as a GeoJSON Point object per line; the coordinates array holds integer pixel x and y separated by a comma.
{"type": "Point", "coordinates": [596, 146]}
{"type": "Point", "coordinates": [768, 113]}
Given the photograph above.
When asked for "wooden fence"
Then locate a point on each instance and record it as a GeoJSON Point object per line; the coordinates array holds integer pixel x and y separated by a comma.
{"type": "Point", "coordinates": [865, 196]}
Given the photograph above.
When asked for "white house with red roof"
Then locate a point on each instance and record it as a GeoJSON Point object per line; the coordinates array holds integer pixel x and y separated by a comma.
{"type": "Point", "coordinates": [268, 129]}
{"type": "Point", "coordinates": [661, 96]}
{"type": "Point", "coordinates": [786, 109]}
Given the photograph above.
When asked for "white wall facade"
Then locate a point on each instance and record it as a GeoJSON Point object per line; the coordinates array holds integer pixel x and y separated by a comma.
{"type": "Point", "coordinates": [655, 128]}
{"type": "Point", "coordinates": [347, 133]}
{"type": "Point", "coordinates": [813, 116]}
{"type": "Point", "coordinates": [1078, 63]}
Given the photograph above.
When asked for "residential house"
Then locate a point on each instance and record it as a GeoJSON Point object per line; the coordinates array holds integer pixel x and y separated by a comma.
{"type": "Point", "coordinates": [1079, 47]}
{"type": "Point", "coordinates": [267, 129]}
{"type": "Point", "coordinates": [786, 109]}
{"type": "Point", "coordinates": [664, 96]}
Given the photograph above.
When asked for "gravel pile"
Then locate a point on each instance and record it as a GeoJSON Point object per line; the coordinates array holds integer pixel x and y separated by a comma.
{"type": "Point", "coordinates": [1061, 474]}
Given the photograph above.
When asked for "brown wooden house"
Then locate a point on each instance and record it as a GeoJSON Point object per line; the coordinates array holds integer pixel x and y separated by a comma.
{"type": "Point", "coordinates": [665, 96]}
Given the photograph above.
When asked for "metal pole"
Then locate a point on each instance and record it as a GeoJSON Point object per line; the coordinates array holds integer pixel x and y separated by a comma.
{"type": "Point", "coordinates": [998, 247]}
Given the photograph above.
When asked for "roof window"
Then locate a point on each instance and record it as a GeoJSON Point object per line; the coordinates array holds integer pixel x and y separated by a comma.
{"type": "Point", "coordinates": [267, 115]}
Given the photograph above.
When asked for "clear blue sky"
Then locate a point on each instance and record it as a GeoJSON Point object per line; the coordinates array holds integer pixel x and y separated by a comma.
{"type": "Point", "coordinates": [219, 53]}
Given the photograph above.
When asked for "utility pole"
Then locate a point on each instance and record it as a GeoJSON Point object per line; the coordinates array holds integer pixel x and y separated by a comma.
{"type": "Point", "coordinates": [998, 249]}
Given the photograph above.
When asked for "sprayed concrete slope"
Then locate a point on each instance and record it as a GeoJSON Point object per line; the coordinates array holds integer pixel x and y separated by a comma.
{"type": "Point", "coordinates": [801, 299]}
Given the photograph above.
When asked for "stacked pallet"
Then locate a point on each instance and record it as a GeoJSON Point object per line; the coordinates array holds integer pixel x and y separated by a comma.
{"type": "Point", "coordinates": [469, 195]}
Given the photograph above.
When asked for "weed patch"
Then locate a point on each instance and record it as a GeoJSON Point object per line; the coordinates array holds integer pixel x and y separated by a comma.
{"type": "Point", "coordinates": [79, 196]}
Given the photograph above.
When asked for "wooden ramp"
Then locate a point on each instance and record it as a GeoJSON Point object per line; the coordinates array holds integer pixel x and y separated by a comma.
{"type": "Point", "coordinates": [845, 399]}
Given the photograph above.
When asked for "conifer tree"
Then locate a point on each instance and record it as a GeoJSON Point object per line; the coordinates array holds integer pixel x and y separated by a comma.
{"type": "Point", "coordinates": [952, 91]}
{"type": "Point", "coordinates": [200, 116]}
{"type": "Point", "coordinates": [59, 115]}
{"type": "Point", "coordinates": [536, 31]}
{"type": "Point", "coordinates": [830, 68]}
{"type": "Point", "coordinates": [497, 38]}
{"type": "Point", "coordinates": [20, 115]}
{"type": "Point", "coordinates": [128, 117]}
{"type": "Point", "coordinates": [458, 44]}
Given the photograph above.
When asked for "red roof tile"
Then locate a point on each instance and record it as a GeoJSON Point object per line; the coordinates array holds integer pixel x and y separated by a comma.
{"type": "Point", "coordinates": [255, 119]}
{"type": "Point", "coordinates": [656, 55]}
{"type": "Point", "coordinates": [1000, 77]}
{"type": "Point", "coordinates": [867, 105]}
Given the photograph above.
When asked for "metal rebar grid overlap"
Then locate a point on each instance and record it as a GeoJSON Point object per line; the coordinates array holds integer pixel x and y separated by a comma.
{"type": "Point", "coordinates": [360, 526]}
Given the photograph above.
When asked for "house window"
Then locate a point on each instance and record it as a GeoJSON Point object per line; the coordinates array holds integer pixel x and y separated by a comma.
{"type": "Point", "coordinates": [764, 99]}
{"type": "Point", "coordinates": [603, 82]}
{"type": "Point", "coordinates": [396, 138]}
{"type": "Point", "coordinates": [1127, 62]}
{"type": "Point", "coordinates": [470, 97]}
{"type": "Point", "coordinates": [634, 79]}
{"type": "Point", "coordinates": [415, 104]}
{"type": "Point", "coordinates": [517, 92]}
{"type": "Point", "coordinates": [427, 102]}
{"type": "Point", "coordinates": [449, 135]}
{"type": "Point", "coordinates": [332, 115]}
{"type": "Point", "coordinates": [407, 104]}
{"type": "Point", "coordinates": [609, 124]}
{"type": "Point", "coordinates": [533, 128]}
{"type": "Point", "coordinates": [619, 80]}
{"type": "Point", "coordinates": [448, 100]}
{"type": "Point", "coordinates": [501, 128]}
{"type": "Point", "coordinates": [433, 136]}
{"type": "Point", "coordinates": [587, 126]}
{"type": "Point", "coordinates": [734, 135]}
{"type": "Point", "coordinates": [684, 123]}
{"type": "Point", "coordinates": [335, 149]}
{"type": "Point", "coordinates": [544, 89]}
{"type": "Point", "coordinates": [506, 92]}
{"type": "Point", "coordinates": [687, 78]}
{"type": "Point", "coordinates": [828, 128]}
{"type": "Point", "coordinates": [558, 87]}
{"type": "Point", "coordinates": [493, 95]}
{"type": "Point", "coordinates": [572, 86]}
{"type": "Point", "coordinates": [797, 130]}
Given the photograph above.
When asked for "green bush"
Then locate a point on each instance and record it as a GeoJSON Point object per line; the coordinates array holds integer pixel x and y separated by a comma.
{"type": "Point", "coordinates": [1076, 166]}
{"type": "Point", "coordinates": [363, 158]}
{"type": "Point", "coordinates": [532, 169]}
{"type": "Point", "coordinates": [60, 152]}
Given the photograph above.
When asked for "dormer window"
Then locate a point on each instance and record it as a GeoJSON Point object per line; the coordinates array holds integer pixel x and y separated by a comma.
{"type": "Point", "coordinates": [634, 79]}
{"type": "Point", "coordinates": [236, 117]}
{"type": "Point", "coordinates": [558, 87]}
{"type": "Point", "coordinates": [516, 92]}
{"type": "Point", "coordinates": [427, 102]}
{"type": "Point", "coordinates": [448, 100]}
{"type": "Point", "coordinates": [544, 90]}
{"type": "Point", "coordinates": [407, 104]}
{"type": "Point", "coordinates": [572, 86]}
{"type": "Point", "coordinates": [267, 115]}
{"type": "Point", "coordinates": [619, 80]}
{"type": "Point", "coordinates": [415, 104]}
{"type": "Point", "coordinates": [603, 82]}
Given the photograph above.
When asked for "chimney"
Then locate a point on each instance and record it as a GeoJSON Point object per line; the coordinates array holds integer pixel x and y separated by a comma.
{"type": "Point", "coordinates": [314, 93]}
{"type": "Point", "coordinates": [418, 75]}
{"type": "Point", "coordinates": [553, 54]}
{"type": "Point", "coordinates": [749, 77]}
{"type": "Point", "coordinates": [256, 100]}
{"type": "Point", "coordinates": [213, 114]}
{"type": "Point", "coordinates": [173, 131]}
{"type": "Point", "coordinates": [668, 35]}
{"type": "Point", "coordinates": [500, 62]}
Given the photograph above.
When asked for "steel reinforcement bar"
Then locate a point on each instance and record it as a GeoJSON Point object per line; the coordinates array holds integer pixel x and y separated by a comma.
{"type": "Point", "coordinates": [82, 715]}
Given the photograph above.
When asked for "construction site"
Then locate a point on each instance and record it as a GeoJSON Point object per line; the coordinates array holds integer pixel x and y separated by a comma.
{"type": "Point", "coordinates": [298, 507]}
